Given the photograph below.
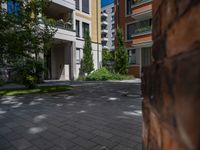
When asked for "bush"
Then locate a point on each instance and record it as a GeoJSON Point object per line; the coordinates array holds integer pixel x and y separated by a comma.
{"type": "Point", "coordinates": [30, 81]}
{"type": "Point", "coordinates": [1, 81]}
{"type": "Point", "coordinates": [103, 74]}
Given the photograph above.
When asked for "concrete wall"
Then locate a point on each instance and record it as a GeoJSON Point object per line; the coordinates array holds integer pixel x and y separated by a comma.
{"type": "Point", "coordinates": [171, 86]}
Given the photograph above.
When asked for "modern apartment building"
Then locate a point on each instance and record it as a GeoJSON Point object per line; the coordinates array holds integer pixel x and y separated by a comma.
{"type": "Point", "coordinates": [134, 17]}
{"type": "Point", "coordinates": [73, 18]}
{"type": "Point", "coordinates": [66, 55]}
{"type": "Point", "coordinates": [108, 27]}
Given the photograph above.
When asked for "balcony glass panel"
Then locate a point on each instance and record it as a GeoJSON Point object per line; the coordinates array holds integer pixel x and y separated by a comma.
{"type": "Point", "coordinates": [63, 17]}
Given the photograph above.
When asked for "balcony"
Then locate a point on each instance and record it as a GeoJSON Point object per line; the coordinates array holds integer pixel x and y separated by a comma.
{"type": "Point", "coordinates": [104, 23]}
{"type": "Point", "coordinates": [103, 14]}
{"type": "Point", "coordinates": [64, 21]}
{"type": "Point", "coordinates": [142, 31]}
{"type": "Point", "coordinates": [140, 2]}
{"type": "Point", "coordinates": [104, 39]}
{"type": "Point", "coordinates": [104, 30]}
{"type": "Point", "coordinates": [66, 3]}
{"type": "Point", "coordinates": [142, 9]}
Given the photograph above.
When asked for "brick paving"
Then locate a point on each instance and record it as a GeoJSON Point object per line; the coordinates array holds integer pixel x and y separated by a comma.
{"type": "Point", "coordinates": [92, 116]}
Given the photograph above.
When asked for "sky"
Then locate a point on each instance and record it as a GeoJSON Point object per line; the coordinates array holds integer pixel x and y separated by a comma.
{"type": "Point", "coordinates": [106, 2]}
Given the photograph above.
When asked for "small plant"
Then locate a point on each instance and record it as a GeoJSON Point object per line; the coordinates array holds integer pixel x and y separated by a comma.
{"type": "Point", "coordinates": [30, 81]}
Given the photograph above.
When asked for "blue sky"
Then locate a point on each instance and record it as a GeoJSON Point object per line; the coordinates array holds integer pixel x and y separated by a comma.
{"type": "Point", "coordinates": [106, 2]}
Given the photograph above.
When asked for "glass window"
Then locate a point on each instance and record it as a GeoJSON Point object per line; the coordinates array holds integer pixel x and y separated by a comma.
{"type": "Point", "coordinates": [132, 56]}
{"type": "Point", "coordinates": [85, 6]}
{"type": "Point", "coordinates": [77, 4]}
{"type": "Point", "coordinates": [128, 7]}
{"type": "Point", "coordinates": [77, 28]}
{"type": "Point", "coordinates": [113, 18]}
{"type": "Point", "coordinates": [113, 9]}
{"type": "Point", "coordinates": [86, 28]}
{"type": "Point", "coordinates": [113, 26]}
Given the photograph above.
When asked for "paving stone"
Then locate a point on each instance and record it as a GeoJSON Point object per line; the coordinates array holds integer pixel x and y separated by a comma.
{"type": "Point", "coordinates": [88, 121]}
{"type": "Point", "coordinates": [84, 143]}
{"type": "Point", "coordinates": [21, 144]}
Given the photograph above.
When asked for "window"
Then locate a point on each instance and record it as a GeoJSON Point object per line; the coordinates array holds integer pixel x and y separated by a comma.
{"type": "Point", "coordinates": [129, 31]}
{"type": "Point", "coordinates": [113, 9]}
{"type": "Point", "coordinates": [141, 27]}
{"type": "Point", "coordinates": [132, 56]}
{"type": "Point", "coordinates": [13, 7]}
{"type": "Point", "coordinates": [113, 26]}
{"type": "Point", "coordinates": [113, 18]}
{"type": "Point", "coordinates": [128, 7]}
{"type": "Point", "coordinates": [85, 6]}
{"type": "Point", "coordinates": [113, 43]}
{"type": "Point", "coordinates": [77, 4]}
{"type": "Point", "coordinates": [85, 27]}
{"type": "Point", "coordinates": [77, 28]}
{"type": "Point", "coordinates": [113, 34]}
{"type": "Point", "coordinates": [78, 55]}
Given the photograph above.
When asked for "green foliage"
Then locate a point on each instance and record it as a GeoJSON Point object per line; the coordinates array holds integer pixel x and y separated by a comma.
{"type": "Point", "coordinates": [87, 65]}
{"type": "Point", "coordinates": [43, 89]}
{"type": "Point", "coordinates": [30, 81]}
{"type": "Point", "coordinates": [28, 72]}
{"type": "Point", "coordinates": [1, 81]}
{"type": "Point", "coordinates": [103, 74]}
{"type": "Point", "coordinates": [121, 55]}
{"type": "Point", "coordinates": [22, 36]}
{"type": "Point", "coordinates": [107, 59]}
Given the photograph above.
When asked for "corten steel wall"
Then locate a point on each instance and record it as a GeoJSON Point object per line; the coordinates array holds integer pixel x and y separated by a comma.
{"type": "Point", "coordinates": [171, 86]}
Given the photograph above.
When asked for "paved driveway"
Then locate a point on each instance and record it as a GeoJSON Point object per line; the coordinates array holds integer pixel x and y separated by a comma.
{"type": "Point", "coordinates": [92, 116]}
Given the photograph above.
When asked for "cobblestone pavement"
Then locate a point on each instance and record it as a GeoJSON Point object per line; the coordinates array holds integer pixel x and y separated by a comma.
{"type": "Point", "coordinates": [92, 116]}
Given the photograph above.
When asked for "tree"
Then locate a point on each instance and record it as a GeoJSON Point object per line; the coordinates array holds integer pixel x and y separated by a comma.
{"type": "Point", "coordinates": [121, 55]}
{"type": "Point", "coordinates": [87, 65]}
{"type": "Point", "coordinates": [25, 32]}
{"type": "Point", "coordinates": [107, 59]}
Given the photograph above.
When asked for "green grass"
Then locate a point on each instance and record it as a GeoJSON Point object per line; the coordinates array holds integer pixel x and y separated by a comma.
{"type": "Point", "coordinates": [43, 89]}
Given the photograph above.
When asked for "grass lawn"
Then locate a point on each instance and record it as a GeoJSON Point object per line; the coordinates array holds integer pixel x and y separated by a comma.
{"type": "Point", "coordinates": [43, 89]}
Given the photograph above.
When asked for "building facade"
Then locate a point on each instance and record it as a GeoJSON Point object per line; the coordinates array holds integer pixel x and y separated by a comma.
{"type": "Point", "coordinates": [79, 16]}
{"type": "Point", "coordinates": [108, 27]}
{"type": "Point", "coordinates": [134, 17]}
{"type": "Point", "coordinates": [73, 18]}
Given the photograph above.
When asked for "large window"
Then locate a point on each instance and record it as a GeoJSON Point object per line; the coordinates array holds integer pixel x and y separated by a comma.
{"type": "Point", "coordinates": [85, 6]}
{"type": "Point", "coordinates": [77, 28]}
{"type": "Point", "coordinates": [132, 56]}
{"type": "Point", "coordinates": [85, 28]}
{"type": "Point", "coordinates": [77, 4]}
{"type": "Point", "coordinates": [128, 7]}
{"type": "Point", "coordinates": [137, 28]}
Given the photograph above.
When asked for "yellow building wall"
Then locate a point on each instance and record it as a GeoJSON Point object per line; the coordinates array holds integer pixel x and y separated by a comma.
{"type": "Point", "coordinates": [95, 23]}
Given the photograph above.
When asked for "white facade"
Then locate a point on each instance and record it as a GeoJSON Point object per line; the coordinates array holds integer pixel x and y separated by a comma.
{"type": "Point", "coordinates": [67, 52]}
{"type": "Point", "coordinates": [107, 26]}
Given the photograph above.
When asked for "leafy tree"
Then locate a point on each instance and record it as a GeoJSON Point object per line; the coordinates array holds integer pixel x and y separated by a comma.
{"type": "Point", "coordinates": [107, 59]}
{"type": "Point", "coordinates": [87, 65]}
{"type": "Point", "coordinates": [121, 55]}
{"type": "Point", "coordinates": [25, 32]}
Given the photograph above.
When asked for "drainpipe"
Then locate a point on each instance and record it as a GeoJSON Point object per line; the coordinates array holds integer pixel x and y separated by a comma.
{"type": "Point", "coordinates": [97, 21]}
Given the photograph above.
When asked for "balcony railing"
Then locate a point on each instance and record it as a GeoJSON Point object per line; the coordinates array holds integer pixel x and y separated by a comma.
{"type": "Point", "coordinates": [136, 3]}
{"type": "Point", "coordinates": [64, 25]}
{"type": "Point", "coordinates": [142, 30]}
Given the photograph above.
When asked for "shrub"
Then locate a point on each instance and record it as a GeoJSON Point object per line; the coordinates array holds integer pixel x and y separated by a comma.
{"type": "Point", "coordinates": [30, 81]}
{"type": "Point", "coordinates": [1, 81]}
{"type": "Point", "coordinates": [103, 74]}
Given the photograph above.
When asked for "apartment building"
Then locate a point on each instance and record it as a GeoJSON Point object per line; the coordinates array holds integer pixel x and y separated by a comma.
{"type": "Point", "coordinates": [79, 16]}
{"type": "Point", "coordinates": [73, 18]}
{"type": "Point", "coordinates": [134, 17]}
{"type": "Point", "coordinates": [108, 27]}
